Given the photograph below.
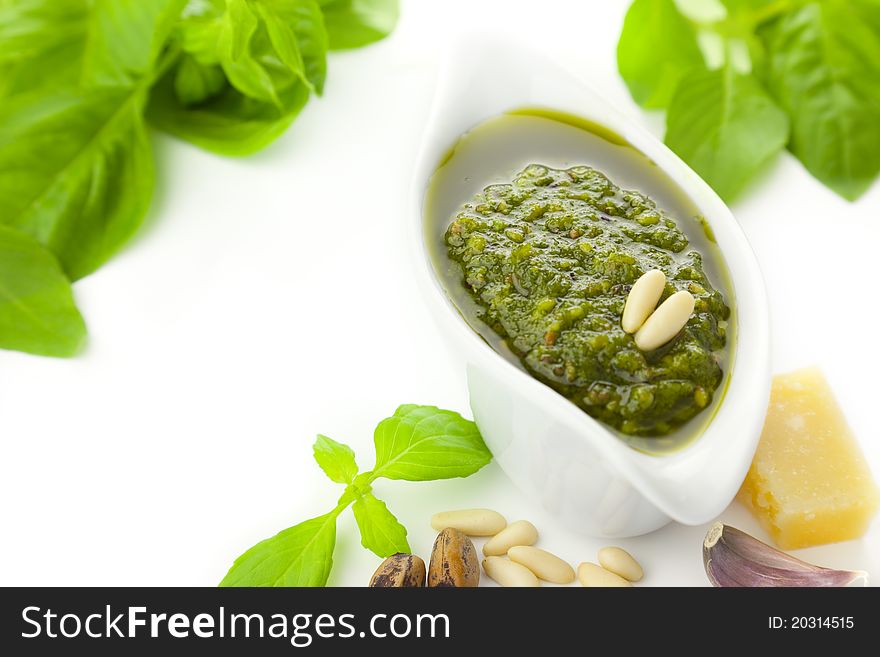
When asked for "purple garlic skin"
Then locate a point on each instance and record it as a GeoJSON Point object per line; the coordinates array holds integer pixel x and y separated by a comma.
{"type": "Point", "coordinates": [733, 558]}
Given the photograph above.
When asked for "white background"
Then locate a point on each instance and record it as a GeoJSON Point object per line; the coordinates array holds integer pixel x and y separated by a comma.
{"type": "Point", "coordinates": [270, 298]}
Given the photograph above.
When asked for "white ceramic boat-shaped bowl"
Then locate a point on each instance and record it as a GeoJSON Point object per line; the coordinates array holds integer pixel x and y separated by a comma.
{"type": "Point", "coordinates": [582, 473]}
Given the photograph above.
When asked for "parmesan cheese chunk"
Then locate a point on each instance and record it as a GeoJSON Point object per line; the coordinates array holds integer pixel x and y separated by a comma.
{"type": "Point", "coordinates": [809, 483]}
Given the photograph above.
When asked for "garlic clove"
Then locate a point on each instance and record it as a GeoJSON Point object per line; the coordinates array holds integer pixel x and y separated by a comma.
{"type": "Point", "coordinates": [733, 558]}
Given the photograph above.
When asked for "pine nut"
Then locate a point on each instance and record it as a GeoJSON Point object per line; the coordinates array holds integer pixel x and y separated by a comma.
{"type": "Point", "coordinates": [521, 532]}
{"type": "Point", "coordinates": [642, 299]}
{"type": "Point", "coordinates": [665, 322]}
{"type": "Point", "coordinates": [620, 562]}
{"type": "Point", "coordinates": [509, 573]}
{"type": "Point", "coordinates": [593, 575]}
{"type": "Point", "coordinates": [473, 522]}
{"type": "Point", "coordinates": [546, 566]}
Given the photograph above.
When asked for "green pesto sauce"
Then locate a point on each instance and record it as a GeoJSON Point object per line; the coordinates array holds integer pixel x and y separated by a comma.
{"type": "Point", "coordinates": [546, 257]}
{"type": "Point", "coordinates": [550, 258]}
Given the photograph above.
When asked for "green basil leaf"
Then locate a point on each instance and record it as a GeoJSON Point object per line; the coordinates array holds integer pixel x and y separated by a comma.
{"type": "Point", "coordinates": [356, 23]}
{"type": "Point", "coordinates": [195, 83]}
{"type": "Point", "coordinates": [296, 32]}
{"type": "Point", "coordinates": [725, 126]}
{"type": "Point", "coordinates": [45, 44]}
{"type": "Point", "coordinates": [310, 35]}
{"type": "Point", "coordinates": [299, 556]}
{"type": "Point", "coordinates": [747, 7]}
{"type": "Point", "coordinates": [41, 42]}
{"type": "Point", "coordinates": [198, 33]}
{"type": "Point", "coordinates": [381, 532]}
{"type": "Point", "coordinates": [264, 46]}
{"type": "Point", "coordinates": [868, 11]}
{"type": "Point", "coordinates": [823, 67]}
{"type": "Point", "coordinates": [281, 36]}
{"type": "Point", "coordinates": [422, 443]}
{"type": "Point", "coordinates": [76, 172]}
{"type": "Point", "coordinates": [657, 47]}
{"type": "Point", "coordinates": [273, 53]}
{"type": "Point", "coordinates": [229, 123]}
{"type": "Point", "coordinates": [237, 29]}
{"type": "Point", "coordinates": [336, 460]}
{"type": "Point", "coordinates": [30, 28]}
{"type": "Point", "coordinates": [125, 38]}
{"type": "Point", "coordinates": [37, 311]}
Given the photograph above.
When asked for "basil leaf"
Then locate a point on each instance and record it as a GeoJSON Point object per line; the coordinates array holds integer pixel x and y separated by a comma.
{"type": "Point", "coordinates": [356, 23]}
{"type": "Point", "coordinates": [312, 40]}
{"type": "Point", "coordinates": [273, 53]}
{"type": "Point", "coordinates": [869, 12]}
{"type": "Point", "coordinates": [381, 533]}
{"type": "Point", "coordinates": [125, 38]}
{"type": "Point", "coordinates": [31, 28]}
{"type": "Point", "coordinates": [823, 67]}
{"type": "Point", "coordinates": [229, 123]}
{"type": "Point", "coordinates": [336, 460]}
{"type": "Point", "coordinates": [422, 443]}
{"type": "Point", "coordinates": [264, 46]}
{"type": "Point", "coordinates": [725, 126]}
{"type": "Point", "coordinates": [197, 32]}
{"type": "Point", "coordinates": [41, 41]}
{"type": "Point", "coordinates": [299, 556]}
{"type": "Point", "coordinates": [89, 42]}
{"type": "Point", "coordinates": [657, 47]}
{"type": "Point", "coordinates": [747, 7]}
{"type": "Point", "coordinates": [236, 31]}
{"type": "Point", "coordinates": [195, 83]}
{"type": "Point", "coordinates": [296, 30]}
{"type": "Point", "coordinates": [37, 312]}
{"type": "Point", "coordinates": [76, 172]}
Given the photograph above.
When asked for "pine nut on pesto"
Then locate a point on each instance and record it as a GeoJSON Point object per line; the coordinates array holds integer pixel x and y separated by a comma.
{"type": "Point", "coordinates": [550, 258]}
{"type": "Point", "coordinates": [642, 300]}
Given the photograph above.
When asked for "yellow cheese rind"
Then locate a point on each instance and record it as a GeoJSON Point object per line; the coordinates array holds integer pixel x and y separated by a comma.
{"type": "Point", "coordinates": [809, 482]}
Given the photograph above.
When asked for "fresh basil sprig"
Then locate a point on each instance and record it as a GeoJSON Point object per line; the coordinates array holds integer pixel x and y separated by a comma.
{"type": "Point", "coordinates": [768, 74]}
{"type": "Point", "coordinates": [81, 81]}
{"type": "Point", "coordinates": [417, 443]}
